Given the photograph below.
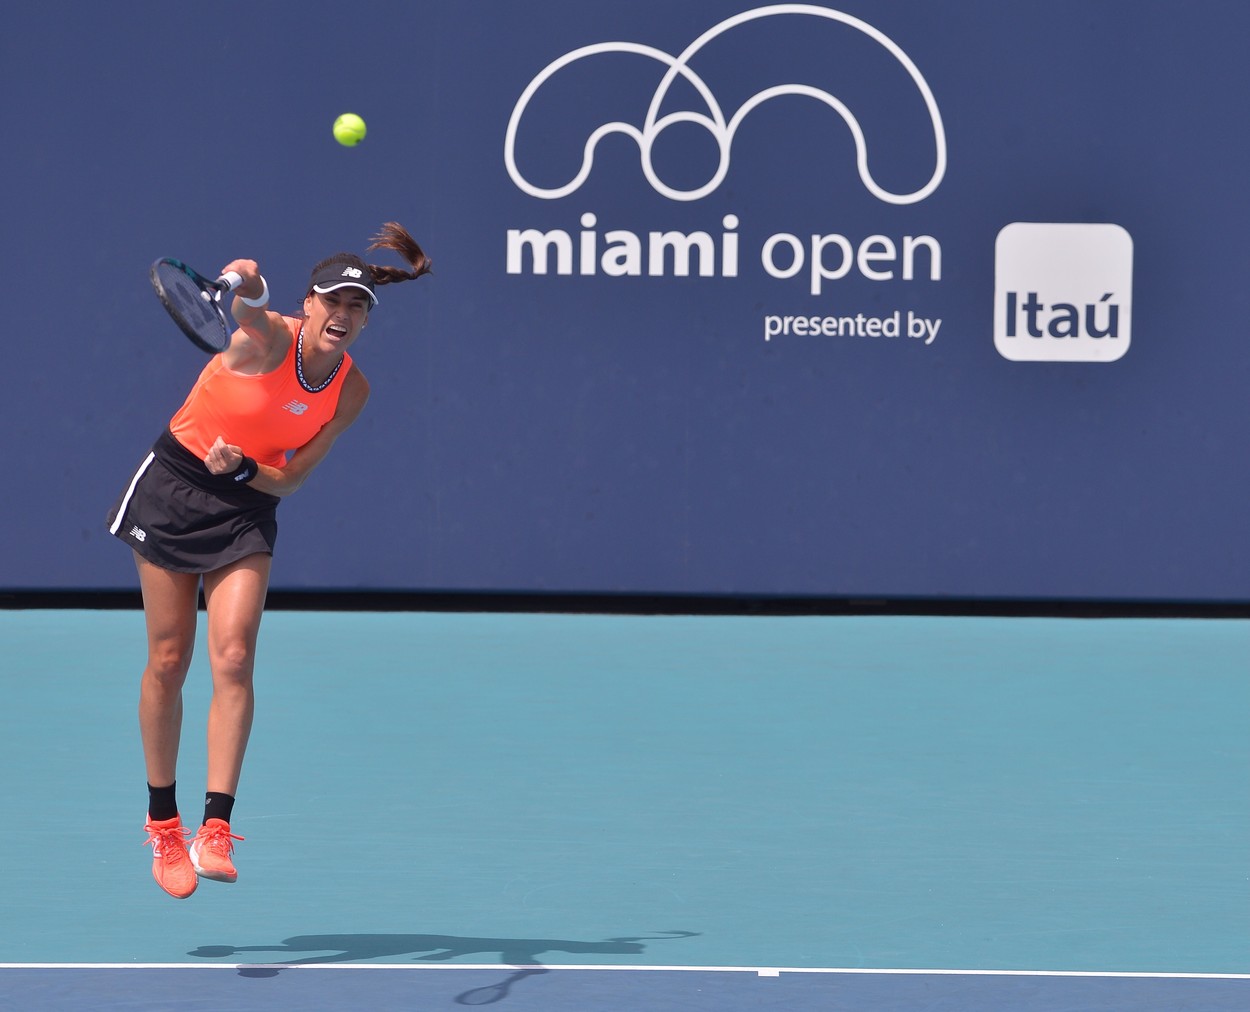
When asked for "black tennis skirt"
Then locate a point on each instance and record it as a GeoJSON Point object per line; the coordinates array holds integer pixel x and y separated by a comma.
{"type": "Point", "coordinates": [179, 516]}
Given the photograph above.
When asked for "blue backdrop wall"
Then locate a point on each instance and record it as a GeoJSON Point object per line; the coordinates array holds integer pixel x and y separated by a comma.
{"type": "Point", "coordinates": [898, 298]}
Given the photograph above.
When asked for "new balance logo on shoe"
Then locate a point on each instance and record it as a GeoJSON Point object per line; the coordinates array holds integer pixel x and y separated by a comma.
{"type": "Point", "coordinates": [295, 407]}
{"type": "Point", "coordinates": [171, 862]}
{"type": "Point", "coordinates": [138, 535]}
{"type": "Point", "coordinates": [211, 850]}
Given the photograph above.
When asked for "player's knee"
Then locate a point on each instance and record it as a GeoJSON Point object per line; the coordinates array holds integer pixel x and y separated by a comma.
{"type": "Point", "coordinates": [232, 661]}
{"type": "Point", "coordinates": [169, 661]}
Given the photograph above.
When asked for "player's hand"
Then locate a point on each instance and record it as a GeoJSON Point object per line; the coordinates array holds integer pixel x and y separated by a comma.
{"type": "Point", "coordinates": [222, 457]}
{"type": "Point", "coordinates": [249, 271]}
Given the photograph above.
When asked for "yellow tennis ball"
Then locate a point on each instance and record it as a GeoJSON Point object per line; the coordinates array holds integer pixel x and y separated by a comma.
{"type": "Point", "coordinates": [349, 130]}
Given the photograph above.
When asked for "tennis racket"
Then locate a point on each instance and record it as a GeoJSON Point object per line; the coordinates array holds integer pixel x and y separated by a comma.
{"type": "Point", "coordinates": [194, 301]}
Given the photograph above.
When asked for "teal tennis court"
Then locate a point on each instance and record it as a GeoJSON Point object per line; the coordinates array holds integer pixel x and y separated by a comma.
{"type": "Point", "coordinates": [607, 811]}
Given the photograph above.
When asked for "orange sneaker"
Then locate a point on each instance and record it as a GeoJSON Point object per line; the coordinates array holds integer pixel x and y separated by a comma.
{"type": "Point", "coordinates": [171, 866]}
{"type": "Point", "coordinates": [211, 850]}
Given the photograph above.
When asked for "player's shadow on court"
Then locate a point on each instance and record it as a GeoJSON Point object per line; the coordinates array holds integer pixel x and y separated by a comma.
{"type": "Point", "coordinates": [521, 953]}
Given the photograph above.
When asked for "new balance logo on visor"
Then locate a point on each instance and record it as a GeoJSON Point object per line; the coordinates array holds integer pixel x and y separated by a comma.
{"type": "Point", "coordinates": [295, 407]}
{"type": "Point", "coordinates": [138, 535]}
{"type": "Point", "coordinates": [352, 272]}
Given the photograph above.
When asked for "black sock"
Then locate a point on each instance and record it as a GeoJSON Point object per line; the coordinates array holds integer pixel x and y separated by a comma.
{"type": "Point", "coordinates": [218, 806]}
{"type": "Point", "coordinates": [162, 803]}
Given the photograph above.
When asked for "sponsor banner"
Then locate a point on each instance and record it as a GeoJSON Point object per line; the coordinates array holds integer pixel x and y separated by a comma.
{"type": "Point", "coordinates": [1047, 280]}
{"type": "Point", "coordinates": [842, 299]}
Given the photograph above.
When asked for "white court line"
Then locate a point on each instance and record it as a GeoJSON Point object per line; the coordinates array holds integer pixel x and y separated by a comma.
{"type": "Point", "coordinates": [762, 971]}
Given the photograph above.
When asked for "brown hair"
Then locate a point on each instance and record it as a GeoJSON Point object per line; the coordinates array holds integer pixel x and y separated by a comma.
{"type": "Point", "coordinates": [393, 236]}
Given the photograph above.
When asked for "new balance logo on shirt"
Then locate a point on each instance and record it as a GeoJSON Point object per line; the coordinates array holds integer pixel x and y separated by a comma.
{"type": "Point", "coordinates": [295, 407]}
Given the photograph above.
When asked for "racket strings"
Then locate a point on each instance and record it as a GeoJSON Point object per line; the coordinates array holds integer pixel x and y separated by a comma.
{"type": "Point", "coordinates": [195, 310]}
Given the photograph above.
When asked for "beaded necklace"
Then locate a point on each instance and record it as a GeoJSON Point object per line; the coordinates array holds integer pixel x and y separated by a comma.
{"type": "Point", "coordinates": [299, 367]}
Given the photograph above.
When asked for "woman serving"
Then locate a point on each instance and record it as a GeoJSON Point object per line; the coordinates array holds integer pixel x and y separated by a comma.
{"type": "Point", "coordinates": [203, 506]}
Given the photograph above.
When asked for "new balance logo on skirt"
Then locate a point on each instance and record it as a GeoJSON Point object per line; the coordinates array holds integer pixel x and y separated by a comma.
{"type": "Point", "coordinates": [295, 407]}
{"type": "Point", "coordinates": [138, 534]}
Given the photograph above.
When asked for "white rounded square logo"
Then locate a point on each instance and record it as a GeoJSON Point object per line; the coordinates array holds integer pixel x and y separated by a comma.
{"type": "Point", "coordinates": [1063, 292]}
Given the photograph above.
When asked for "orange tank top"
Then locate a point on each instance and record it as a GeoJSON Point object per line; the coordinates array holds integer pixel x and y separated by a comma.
{"type": "Point", "coordinates": [268, 415]}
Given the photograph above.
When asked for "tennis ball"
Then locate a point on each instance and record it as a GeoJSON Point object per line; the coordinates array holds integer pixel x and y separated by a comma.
{"type": "Point", "coordinates": [349, 130]}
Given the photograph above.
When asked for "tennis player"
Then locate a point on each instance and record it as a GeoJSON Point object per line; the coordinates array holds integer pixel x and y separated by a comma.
{"type": "Point", "coordinates": [203, 506]}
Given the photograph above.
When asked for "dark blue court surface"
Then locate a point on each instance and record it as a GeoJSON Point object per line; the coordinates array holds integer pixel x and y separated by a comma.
{"type": "Point", "coordinates": [532, 989]}
{"type": "Point", "coordinates": [567, 813]}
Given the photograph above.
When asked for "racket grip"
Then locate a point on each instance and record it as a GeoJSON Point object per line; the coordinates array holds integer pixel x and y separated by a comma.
{"type": "Point", "coordinates": [229, 281]}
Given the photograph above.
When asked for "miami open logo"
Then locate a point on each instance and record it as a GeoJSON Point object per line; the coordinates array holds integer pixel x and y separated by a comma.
{"type": "Point", "coordinates": [711, 117]}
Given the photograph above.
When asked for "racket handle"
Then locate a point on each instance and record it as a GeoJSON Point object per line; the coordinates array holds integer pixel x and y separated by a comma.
{"type": "Point", "coordinates": [229, 281]}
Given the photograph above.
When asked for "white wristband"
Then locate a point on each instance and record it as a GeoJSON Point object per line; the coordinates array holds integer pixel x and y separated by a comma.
{"type": "Point", "coordinates": [264, 296]}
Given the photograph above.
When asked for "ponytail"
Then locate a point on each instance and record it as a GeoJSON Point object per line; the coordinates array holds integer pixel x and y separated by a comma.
{"type": "Point", "coordinates": [393, 236]}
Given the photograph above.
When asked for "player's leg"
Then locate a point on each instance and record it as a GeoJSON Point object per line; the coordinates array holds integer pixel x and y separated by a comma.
{"type": "Point", "coordinates": [169, 609]}
{"type": "Point", "coordinates": [235, 599]}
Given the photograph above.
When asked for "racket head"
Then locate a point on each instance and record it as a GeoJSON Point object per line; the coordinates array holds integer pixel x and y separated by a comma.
{"type": "Point", "coordinates": [193, 302]}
